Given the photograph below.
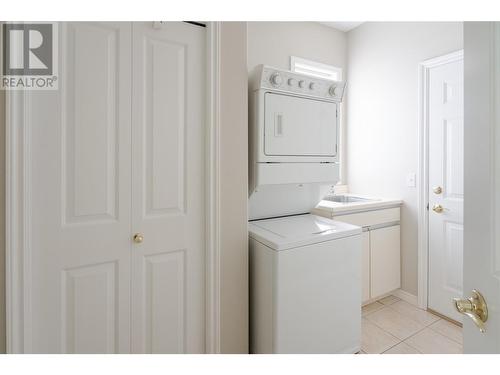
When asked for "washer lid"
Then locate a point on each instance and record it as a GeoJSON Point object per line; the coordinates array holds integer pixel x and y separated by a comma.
{"type": "Point", "coordinates": [294, 231]}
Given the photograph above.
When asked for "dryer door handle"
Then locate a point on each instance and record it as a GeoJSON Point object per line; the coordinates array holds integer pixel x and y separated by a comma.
{"type": "Point", "coordinates": [278, 124]}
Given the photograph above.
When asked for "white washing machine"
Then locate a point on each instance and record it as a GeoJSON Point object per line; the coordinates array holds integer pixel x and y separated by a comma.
{"type": "Point", "coordinates": [305, 285]}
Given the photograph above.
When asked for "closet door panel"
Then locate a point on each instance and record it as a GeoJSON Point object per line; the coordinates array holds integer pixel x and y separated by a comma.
{"type": "Point", "coordinates": [168, 188]}
{"type": "Point", "coordinates": [78, 139]}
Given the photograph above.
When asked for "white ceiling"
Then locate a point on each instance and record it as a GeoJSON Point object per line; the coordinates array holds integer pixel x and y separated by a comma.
{"type": "Point", "coordinates": [342, 26]}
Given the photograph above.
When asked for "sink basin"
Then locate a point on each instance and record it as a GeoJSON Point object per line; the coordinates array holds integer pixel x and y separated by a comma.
{"type": "Point", "coordinates": [346, 199]}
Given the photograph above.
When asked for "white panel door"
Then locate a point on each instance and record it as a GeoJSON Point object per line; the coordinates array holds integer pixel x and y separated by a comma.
{"type": "Point", "coordinates": [168, 188]}
{"type": "Point", "coordinates": [299, 127]}
{"type": "Point", "coordinates": [78, 276]}
{"type": "Point", "coordinates": [446, 187]}
{"type": "Point", "coordinates": [482, 181]}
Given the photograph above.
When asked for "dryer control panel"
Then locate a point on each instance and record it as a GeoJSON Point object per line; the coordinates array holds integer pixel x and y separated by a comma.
{"type": "Point", "coordinates": [285, 81]}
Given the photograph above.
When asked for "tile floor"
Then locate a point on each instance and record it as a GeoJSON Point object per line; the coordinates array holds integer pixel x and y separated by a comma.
{"type": "Point", "coordinates": [393, 326]}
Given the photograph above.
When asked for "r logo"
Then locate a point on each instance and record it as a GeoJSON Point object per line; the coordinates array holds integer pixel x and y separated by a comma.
{"type": "Point", "coordinates": [28, 49]}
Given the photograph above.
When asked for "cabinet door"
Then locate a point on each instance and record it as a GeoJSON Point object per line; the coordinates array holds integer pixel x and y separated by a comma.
{"type": "Point", "coordinates": [385, 260]}
{"type": "Point", "coordinates": [365, 270]}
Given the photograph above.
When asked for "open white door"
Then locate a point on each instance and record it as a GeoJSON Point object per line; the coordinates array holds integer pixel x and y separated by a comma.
{"type": "Point", "coordinates": [482, 181]}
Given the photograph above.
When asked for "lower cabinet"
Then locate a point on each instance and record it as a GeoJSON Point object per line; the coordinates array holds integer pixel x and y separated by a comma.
{"type": "Point", "coordinates": [381, 253]}
{"type": "Point", "coordinates": [381, 257]}
{"type": "Point", "coordinates": [365, 271]}
{"type": "Point", "coordinates": [385, 261]}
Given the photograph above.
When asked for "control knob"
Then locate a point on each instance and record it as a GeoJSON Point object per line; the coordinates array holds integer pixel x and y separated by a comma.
{"type": "Point", "coordinates": [302, 83]}
{"type": "Point", "coordinates": [312, 85]}
{"type": "Point", "coordinates": [333, 90]}
{"type": "Point", "coordinates": [276, 79]}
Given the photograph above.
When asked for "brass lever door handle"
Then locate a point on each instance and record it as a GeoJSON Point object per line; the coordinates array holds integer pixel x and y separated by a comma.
{"type": "Point", "coordinates": [475, 308]}
{"type": "Point", "coordinates": [438, 208]}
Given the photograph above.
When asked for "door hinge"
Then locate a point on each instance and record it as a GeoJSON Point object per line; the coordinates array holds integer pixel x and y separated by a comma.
{"type": "Point", "coordinates": [427, 206]}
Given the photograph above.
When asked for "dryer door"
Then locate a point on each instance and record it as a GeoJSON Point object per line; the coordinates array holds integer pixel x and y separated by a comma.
{"type": "Point", "coordinates": [296, 126]}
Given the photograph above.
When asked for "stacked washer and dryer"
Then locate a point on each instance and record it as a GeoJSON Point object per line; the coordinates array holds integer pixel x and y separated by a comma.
{"type": "Point", "coordinates": [305, 270]}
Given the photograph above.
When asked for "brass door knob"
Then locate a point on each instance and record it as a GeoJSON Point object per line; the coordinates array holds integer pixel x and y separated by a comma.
{"type": "Point", "coordinates": [437, 190]}
{"type": "Point", "coordinates": [475, 308]}
{"type": "Point", "coordinates": [138, 238]}
{"type": "Point", "coordinates": [437, 208]}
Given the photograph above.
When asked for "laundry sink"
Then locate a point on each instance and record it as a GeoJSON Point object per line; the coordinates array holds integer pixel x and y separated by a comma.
{"type": "Point", "coordinates": [346, 199]}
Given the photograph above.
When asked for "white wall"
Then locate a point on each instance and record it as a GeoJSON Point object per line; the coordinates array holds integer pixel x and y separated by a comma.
{"type": "Point", "coordinates": [272, 43]}
{"type": "Point", "coordinates": [234, 188]}
{"type": "Point", "coordinates": [382, 115]}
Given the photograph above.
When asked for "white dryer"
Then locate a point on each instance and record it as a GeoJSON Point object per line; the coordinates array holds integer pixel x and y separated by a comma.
{"type": "Point", "coordinates": [305, 285]}
{"type": "Point", "coordinates": [305, 270]}
{"type": "Point", "coordinates": [293, 134]}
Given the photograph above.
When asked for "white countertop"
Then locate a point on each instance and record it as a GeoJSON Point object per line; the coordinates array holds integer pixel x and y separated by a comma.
{"type": "Point", "coordinates": [344, 208]}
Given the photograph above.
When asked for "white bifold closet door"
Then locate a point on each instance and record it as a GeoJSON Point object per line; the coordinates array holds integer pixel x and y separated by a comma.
{"type": "Point", "coordinates": [168, 188]}
{"type": "Point", "coordinates": [118, 150]}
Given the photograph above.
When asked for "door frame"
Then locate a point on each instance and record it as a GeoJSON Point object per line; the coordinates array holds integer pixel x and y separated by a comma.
{"type": "Point", "coordinates": [424, 69]}
{"type": "Point", "coordinates": [18, 208]}
{"type": "Point", "coordinates": [212, 201]}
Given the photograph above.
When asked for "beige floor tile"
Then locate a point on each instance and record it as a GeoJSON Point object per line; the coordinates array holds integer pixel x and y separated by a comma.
{"type": "Point", "coordinates": [372, 307]}
{"type": "Point", "coordinates": [402, 348]}
{"type": "Point", "coordinates": [389, 300]}
{"type": "Point", "coordinates": [413, 312]}
{"type": "Point", "coordinates": [428, 341]}
{"type": "Point", "coordinates": [374, 339]}
{"type": "Point", "coordinates": [450, 330]}
{"type": "Point", "coordinates": [395, 323]}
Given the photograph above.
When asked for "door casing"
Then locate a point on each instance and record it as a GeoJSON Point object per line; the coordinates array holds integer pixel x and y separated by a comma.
{"type": "Point", "coordinates": [423, 169]}
{"type": "Point", "coordinates": [18, 208]}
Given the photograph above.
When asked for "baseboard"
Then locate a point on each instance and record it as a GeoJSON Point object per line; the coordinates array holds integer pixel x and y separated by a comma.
{"type": "Point", "coordinates": [378, 298]}
{"type": "Point", "coordinates": [405, 296]}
